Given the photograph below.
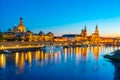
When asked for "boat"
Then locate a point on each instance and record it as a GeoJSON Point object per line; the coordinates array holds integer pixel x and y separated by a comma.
{"type": "Point", "coordinates": [48, 47]}
{"type": "Point", "coordinates": [52, 49]}
{"type": "Point", "coordinates": [7, 51]}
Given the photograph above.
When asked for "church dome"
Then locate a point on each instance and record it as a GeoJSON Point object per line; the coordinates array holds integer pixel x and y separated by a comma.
{"type": "Point", "coordinates": [21, 26]}
{"type": "Point", "coordinates": [49, 34]}
{"type": "Point", "coordinates": [15, 29]}
{"type": "Point", "coordinates": [41, 33]}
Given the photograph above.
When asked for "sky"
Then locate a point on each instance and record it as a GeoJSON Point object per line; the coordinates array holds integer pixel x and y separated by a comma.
{"type": "Point", "coordinates": [62, 16]}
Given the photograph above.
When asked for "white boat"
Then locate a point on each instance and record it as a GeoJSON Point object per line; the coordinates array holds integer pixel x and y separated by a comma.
{"type": "Point", "coordinates": [48, 47]}
{"type": "Point", "coordinates": [52, 49]}
{"type": "Point", "coordinates": [6, 51]}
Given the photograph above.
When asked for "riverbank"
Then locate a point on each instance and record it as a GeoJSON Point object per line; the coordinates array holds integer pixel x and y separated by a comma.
{"type": "Point", "coordinates": [23, 49]}
{"type": "Point", "coordinates": [114, 57]}
{"type": "Point", "coordinates": [24, 46]}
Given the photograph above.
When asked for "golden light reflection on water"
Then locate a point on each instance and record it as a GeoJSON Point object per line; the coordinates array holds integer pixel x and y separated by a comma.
{"type": "Point", "coordinates": [65, 54]}
{"type": "Point", "coordinates": [84, 52]}
{"type": "Point", "coordinates": [16, 58]}
{"type": "Point", "coordinates": [37, 55]}
{"type": "Point", "coordinates": [2, 60]}
{"type": "Point", "coordinates": [29, 55]}
{"type": "Point", "coordinates": [95, 51]}
{"type": "Point", "coordinates": [78, 53]}
{"type": "Point", "coordinates": [21, 60]}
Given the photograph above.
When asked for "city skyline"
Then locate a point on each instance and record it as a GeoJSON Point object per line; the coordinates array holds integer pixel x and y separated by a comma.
{"type": "Point", "coordinates": [63, 17]}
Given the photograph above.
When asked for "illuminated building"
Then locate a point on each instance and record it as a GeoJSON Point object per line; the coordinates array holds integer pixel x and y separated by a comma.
{"type": "Point", "coordinates": [21, 34]}
{"type": "Point", "coordinates": [41, 36]}
{"type": "Point", "coordinates": [9, 35]}
{"type": "Point", "coordinates": [59, 39]}
{"type": "Point", "coordinates": [77, 37]}
{"type": "Point", "coordinates": [82, 36]}
{"type": "Point", "coordinates": [95, 38]}
{"type": "Point", "coordinates": [69, 37]}
{"type": "Point", "coordinates": [49, 36]}
{"type": "Point", "coordinates": [21, 27]}
{"type": "Point", "coordinates": [15, 29]}
{"type": "Point", "coordinates": [107, 40]}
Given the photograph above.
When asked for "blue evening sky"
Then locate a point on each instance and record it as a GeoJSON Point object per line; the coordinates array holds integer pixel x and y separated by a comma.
{"type": "Point", "coordinates": [62, 16]}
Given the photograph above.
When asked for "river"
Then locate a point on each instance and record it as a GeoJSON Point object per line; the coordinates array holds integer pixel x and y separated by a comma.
{"type": "Point", "coordinates": [78, 63]}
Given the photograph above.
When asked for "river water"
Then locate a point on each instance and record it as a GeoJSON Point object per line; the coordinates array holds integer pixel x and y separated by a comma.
{"type": "Point", "coordinates": [76, 63]}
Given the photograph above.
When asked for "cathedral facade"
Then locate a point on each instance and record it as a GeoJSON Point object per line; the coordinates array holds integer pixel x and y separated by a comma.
{"type": "Point", "coordinates": [95, 38]}
{"type": "Point", "coordinates": [20, 33]}
{"type": "Point", "coordinates": [82, 36]}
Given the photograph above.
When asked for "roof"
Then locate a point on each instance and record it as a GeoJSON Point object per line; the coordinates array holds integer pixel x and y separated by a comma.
{"type": "Point", "coordinates": [58, 37]}
{"type": "Point", "coordinates": [70, 35]}
{"type": "Point", "coordinates": [8, 33]}
{"type": "Point", "coordinates": [36, 34]}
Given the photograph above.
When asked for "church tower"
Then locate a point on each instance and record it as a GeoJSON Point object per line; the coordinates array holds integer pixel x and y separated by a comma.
{"type": "Point", "coordinates": [96, 30]}
{"type": "Point", "coordinates": [85, 31]}
{"type": "Point", "coordinates": [95, 38]}
{"type": "Point", "coordinates": [21, 27]}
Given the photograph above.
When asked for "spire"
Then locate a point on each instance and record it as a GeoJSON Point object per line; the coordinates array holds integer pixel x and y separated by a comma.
{"type": "Point", "coordinates": [85, 28]}
{"type": "Point", "coordinates": [96, 30]}
{"type": "Point", "coordinates": [21, 27]}
{"type": "Point", "coordinates": [82, 30]}
{"type": "Point", "coordinates": [9, 30]}
{"type": "Point", "coordinates": [21, 20]}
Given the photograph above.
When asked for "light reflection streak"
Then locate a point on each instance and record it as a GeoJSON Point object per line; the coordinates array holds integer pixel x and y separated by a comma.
{"type": "Point", "coordinates": [16, 58]}
{"type": "Point", "coordinates": [77, 53]}
{"type": "Point", "coordinates": [21, 61]}
{"type": "Point", "coordinates": [2, 60]}
{"type": "Point", "coordinates": [29, 55]}
{"type": "Point", "coordinates": [95, 51]}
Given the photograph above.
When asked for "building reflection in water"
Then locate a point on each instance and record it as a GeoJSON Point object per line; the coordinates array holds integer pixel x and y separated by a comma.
{"type": "Point", "coordinates": [77, 54]}
{"type": "Point", "coordinates": [81, 58]}
{"type": "Point", "coordinates": [16, 58]}
{"type": "Point", "coordinates": [21, 61]}
{"type": "Point", "coordinates": [37, 55]}
{"type": "Point", "coordinates": [84, 52]}
{"type": "Point", "coordinates": [43, 58]}
{"type": "Point", "coordinates": [2, 60]}
{"type": "Point", "coordinates": [65, 54]}
{"type": "Point", "coordinates": [95, 52]}
{"type": "Point", "coordinates": [27, 57]}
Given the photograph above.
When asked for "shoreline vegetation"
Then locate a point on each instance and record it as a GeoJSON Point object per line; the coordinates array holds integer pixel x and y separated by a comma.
{"type": "Point", "coordinates": [114, 57]}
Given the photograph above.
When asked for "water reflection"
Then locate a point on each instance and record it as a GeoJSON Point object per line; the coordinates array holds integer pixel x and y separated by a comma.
{"type": "Point", "coordinates": [84, 52]}
{"type": "Point", "coordinates": [80, 59]}
{"type": "Point", "coordinates": [95, 51]}
{"type": "Point", "coordinates": [16, 59]}
{"type": "Point", "coordinates": [21, 58]}
{"type": "Point", "coordinates": [2, 60]}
